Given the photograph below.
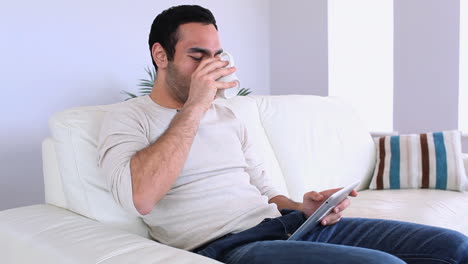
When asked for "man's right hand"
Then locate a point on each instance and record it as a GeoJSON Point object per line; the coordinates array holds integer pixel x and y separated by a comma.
{"type": "Point", "coordinates": [203, 85]}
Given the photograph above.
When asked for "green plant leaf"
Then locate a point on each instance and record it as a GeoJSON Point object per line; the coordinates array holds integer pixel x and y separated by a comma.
{"type": "Point", "coordinates": [244, 92]}
{"type": "Point", "coordinates": [151, 71]}
{"type": "Point", "coordinates": [146, 88]}
{"type": "Point", "coordinates": [146, 85]}
{"type": "Point", "coordinates": [129, 94]}
{"type": "Point", "coordinates": [143, 90]}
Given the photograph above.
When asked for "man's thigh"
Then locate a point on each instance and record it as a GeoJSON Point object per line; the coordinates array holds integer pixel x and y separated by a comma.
{"type": "Point", "coordinates": [409, 241]}
{"type": "Point", "coordinates": [298, 252]}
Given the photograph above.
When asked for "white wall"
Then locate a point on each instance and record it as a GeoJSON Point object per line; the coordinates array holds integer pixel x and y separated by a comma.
{"type": "Point", "coordinates": [360, 58]}
{"type": "Point", "coordinates": [426, 65]}
{"type": "Point", "coordinates": [463, 76]}
{"type": "Point", "coordinates": [299, 54]}
{"type": "Point", "coordinates": [59, 54]}
{"type": "Point", "coordinates": [426, 44]}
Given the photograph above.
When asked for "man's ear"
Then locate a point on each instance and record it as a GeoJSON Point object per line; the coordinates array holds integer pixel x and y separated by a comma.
{"type": "Point", "coordinates": [159, 55]}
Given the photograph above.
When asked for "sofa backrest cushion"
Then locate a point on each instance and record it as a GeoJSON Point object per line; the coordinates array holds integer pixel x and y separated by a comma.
{"type": "Point", "coordinates": [246, 109]}
{"type": "Point", "coordinates": [319, 142]}
{"type": "Point", "coordinates": [307, 142]}
{"type": "Point", "coordinates": [75, 133]}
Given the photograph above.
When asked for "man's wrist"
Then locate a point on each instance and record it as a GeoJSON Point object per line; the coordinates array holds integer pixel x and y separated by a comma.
{"type": "Point", "coordinates": [300, 207]}
{"type": "Point", "coordinates": [194, 110]}
{"type": "Point", "coordinates": [284, 202]}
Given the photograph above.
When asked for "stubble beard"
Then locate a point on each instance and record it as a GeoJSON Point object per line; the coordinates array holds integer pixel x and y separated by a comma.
{"type": "Point", "coordinates": [177, 83]}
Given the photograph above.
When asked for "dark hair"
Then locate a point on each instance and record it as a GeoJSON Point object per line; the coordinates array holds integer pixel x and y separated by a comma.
{"type": "Point", "coordinates": [165, 26]}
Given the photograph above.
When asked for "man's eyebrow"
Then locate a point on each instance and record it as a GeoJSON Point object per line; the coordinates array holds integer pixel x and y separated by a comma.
{"type": "Point", "coordinates": [204, 51]}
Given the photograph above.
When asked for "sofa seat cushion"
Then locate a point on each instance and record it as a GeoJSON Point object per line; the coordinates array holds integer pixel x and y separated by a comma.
{"type": "Point", "coordinates": [48, 234]}
{"type": "Point", "coordinates": [440, 208]}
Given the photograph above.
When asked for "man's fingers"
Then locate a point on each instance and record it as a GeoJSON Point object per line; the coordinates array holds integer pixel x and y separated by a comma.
{"type": "Point", "coordinates": [328, 193]}
{"type": "Point", "coordinates": [216, 74]}
{"type": "Point", "coordinates": [342, 206]}
{"type": "Point", "coordinates": [213, 65]}
{"type": "Point", "coordinates": [313, 196]}
{"type": "Point", "coordinates": [331, 219]}
{"type": "Point", "coordinates": [225, 85]}
{"type": "Point", "coordinates": [205, 62]}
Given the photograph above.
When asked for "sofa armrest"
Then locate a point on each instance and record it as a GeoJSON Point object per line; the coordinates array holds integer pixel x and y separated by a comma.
{"type": "Point", "coordinates": [48, 234]}
{"type": "Point", "coordinates": [375, 134]}
{"type": "Point", "coordinates": [465, 162]}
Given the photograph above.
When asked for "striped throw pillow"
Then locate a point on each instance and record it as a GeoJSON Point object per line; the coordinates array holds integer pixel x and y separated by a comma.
{"type": "Point", "coordinates": [430, 160]}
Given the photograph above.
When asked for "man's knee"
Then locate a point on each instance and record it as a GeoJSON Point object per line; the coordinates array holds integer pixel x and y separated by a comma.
{"type": "Point", "coordinates": [457, 244]}
{"type": "Point", "coordinates": [447, 246]}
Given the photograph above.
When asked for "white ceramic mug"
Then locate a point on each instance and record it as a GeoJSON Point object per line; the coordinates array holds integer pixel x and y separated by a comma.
{"type": "Point", "coordinates": [231, 92]}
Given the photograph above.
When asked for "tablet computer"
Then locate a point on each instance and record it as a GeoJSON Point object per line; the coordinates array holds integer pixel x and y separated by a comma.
{"type": "Point", "coordinates": [323, 211]}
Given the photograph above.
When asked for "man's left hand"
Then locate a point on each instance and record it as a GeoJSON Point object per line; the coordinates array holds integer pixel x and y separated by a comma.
{"type": "Point", "coordinates": [313, 200]}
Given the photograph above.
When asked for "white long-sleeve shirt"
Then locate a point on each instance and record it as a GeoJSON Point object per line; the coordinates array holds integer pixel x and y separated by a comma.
{"type": "Point", "coordinates": [223, 187]}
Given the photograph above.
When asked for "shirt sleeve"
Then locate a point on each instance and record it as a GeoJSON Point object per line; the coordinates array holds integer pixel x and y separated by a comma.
{"type": "Point", "coordinates": [122, 135]}
{"type": "Point", "coordinates": [259, 175]}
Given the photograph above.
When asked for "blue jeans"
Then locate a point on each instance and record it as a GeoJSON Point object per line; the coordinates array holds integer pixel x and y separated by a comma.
{"type": "Point", "coordinates": [352, 240]}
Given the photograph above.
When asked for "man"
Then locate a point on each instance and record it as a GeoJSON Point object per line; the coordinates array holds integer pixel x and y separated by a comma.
{"type": "Point", "coordinates": [188, 168]}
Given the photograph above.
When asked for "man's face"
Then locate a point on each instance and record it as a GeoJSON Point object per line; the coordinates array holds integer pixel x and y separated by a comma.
{"type": "Point", "coordinates": [196, 42]}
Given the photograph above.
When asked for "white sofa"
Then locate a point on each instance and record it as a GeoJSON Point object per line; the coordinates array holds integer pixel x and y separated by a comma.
{"type": "Point", "coordinates": [308, 143]}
